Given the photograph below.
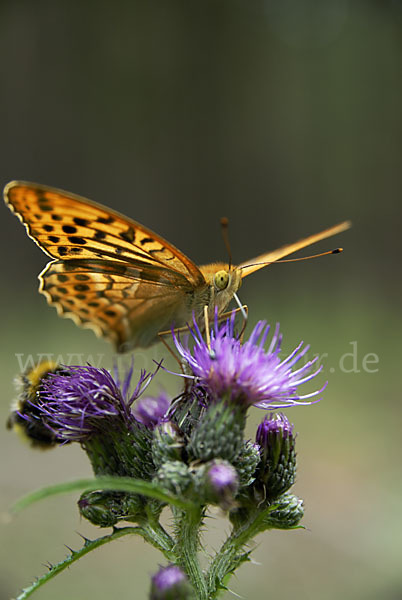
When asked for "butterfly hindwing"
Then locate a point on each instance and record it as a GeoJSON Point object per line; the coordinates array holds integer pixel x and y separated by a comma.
{"type": "Point", "coordinates": [125, 304]}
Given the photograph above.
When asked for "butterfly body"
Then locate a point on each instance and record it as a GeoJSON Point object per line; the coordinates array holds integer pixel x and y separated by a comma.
{"type": "Point", "coordinates": [117, 277]}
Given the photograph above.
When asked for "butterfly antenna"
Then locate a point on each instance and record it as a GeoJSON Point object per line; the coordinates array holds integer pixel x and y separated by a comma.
{"type": "Point", "coordinates": [225, 235]}
{"type": "Point", "coordinates": [287, 260]}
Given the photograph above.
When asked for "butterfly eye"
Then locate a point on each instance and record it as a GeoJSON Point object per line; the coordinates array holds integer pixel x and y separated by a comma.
{"type": "Point", "coordinates": [221, 280]}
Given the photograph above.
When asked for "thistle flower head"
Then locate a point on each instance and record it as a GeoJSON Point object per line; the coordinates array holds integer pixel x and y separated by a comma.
{"type": "Point", "coordinates": [83, 400]}
{"type": "Point", "coordinates": [246, 371]}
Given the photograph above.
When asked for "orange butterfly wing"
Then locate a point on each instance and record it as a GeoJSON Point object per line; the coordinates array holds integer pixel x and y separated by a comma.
{"type": "Point", "coordinates": [111, 274]}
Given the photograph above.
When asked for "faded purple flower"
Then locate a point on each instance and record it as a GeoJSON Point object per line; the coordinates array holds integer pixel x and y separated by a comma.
{"type": "Point", "coordinates": [150, 410]}
{"type": "Point", "coordinates": [246, 372]}
{"type": "Point", "coordinates": [222, 483]}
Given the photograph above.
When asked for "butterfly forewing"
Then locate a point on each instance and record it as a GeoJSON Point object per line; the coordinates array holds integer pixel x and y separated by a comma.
{"type": "Point", "coordinates": [67, 226]}
{"type": "Point", "coordinates": [270, 257]}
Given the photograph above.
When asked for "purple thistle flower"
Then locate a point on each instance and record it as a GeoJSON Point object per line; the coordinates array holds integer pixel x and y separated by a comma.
{"type": "Point", "coordinates": [151, 410]}
{"type": "Point", "coordinates": [170, 583]}
{"type": "Point", "coordinates": [85, 400]}
{"type": "Point", "coordinates": [246, 371]}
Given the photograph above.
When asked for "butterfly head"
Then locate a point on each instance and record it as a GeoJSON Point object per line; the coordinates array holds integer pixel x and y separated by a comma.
{"type": "Point", "coordinates": [222, 279]}
{"type": "Point", "coordinates": [223, 282]}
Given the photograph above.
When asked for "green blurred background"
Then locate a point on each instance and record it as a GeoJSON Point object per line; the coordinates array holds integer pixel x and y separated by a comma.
{"type": "Point", "coordinates": [286, 117]}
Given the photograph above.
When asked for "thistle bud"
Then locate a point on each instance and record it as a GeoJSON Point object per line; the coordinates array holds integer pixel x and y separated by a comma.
{"type": "Point", "coordinates": [175, 477]}
{"type": "Point", "coordinates": [287, 513]}
{"type": "Point", "coordinates": [219, 433]}
{"type": "Point", "coordinates": [246, 463]}
{"type": "Point", "coordinates": [167, 444]}
{"type": "Point", "coordinates": [170, 583]}
{"type": "Point", "coordinates": [277, 469]}
{"type": "Point", "coordinates": [105, 508]}
{"type": "Point", "coordinates": [100, 508]}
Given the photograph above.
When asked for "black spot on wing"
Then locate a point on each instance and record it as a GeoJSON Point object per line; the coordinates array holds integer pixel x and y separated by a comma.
{"type": "Point", "coordinates": [74, 239]}
{"type": "Point", "coordinates": [69, 229]}
{"type": "Point", "coordinates": [105, 220]}
{"type": "Point", "coordinates": [128, 235]}
{"type": "Point", "coordinates": [80, 222]}
{"type": "Point", "coordinates": [146, 240]}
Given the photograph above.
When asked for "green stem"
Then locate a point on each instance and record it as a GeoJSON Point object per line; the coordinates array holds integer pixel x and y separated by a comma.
{"type": "Point", "coordinates": [232, 553]}
{"type": "Point", "coordinates": [156, 535]}
{"type": "Point", "coordinates": [188, 524]}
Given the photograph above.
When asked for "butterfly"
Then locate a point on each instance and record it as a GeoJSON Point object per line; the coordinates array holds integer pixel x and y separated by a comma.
{"type": "Point", "coordinates": [119, 278]}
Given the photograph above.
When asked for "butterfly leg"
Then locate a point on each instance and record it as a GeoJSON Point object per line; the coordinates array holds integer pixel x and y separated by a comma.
{"type": "Point", "coordinates": [207, 330]}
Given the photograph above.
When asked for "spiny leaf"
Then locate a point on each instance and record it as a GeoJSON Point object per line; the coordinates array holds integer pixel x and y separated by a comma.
{"type": "Point", "coordinates": [123, 484]}
{"type": "Point", "coordinates": [89, 545]}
